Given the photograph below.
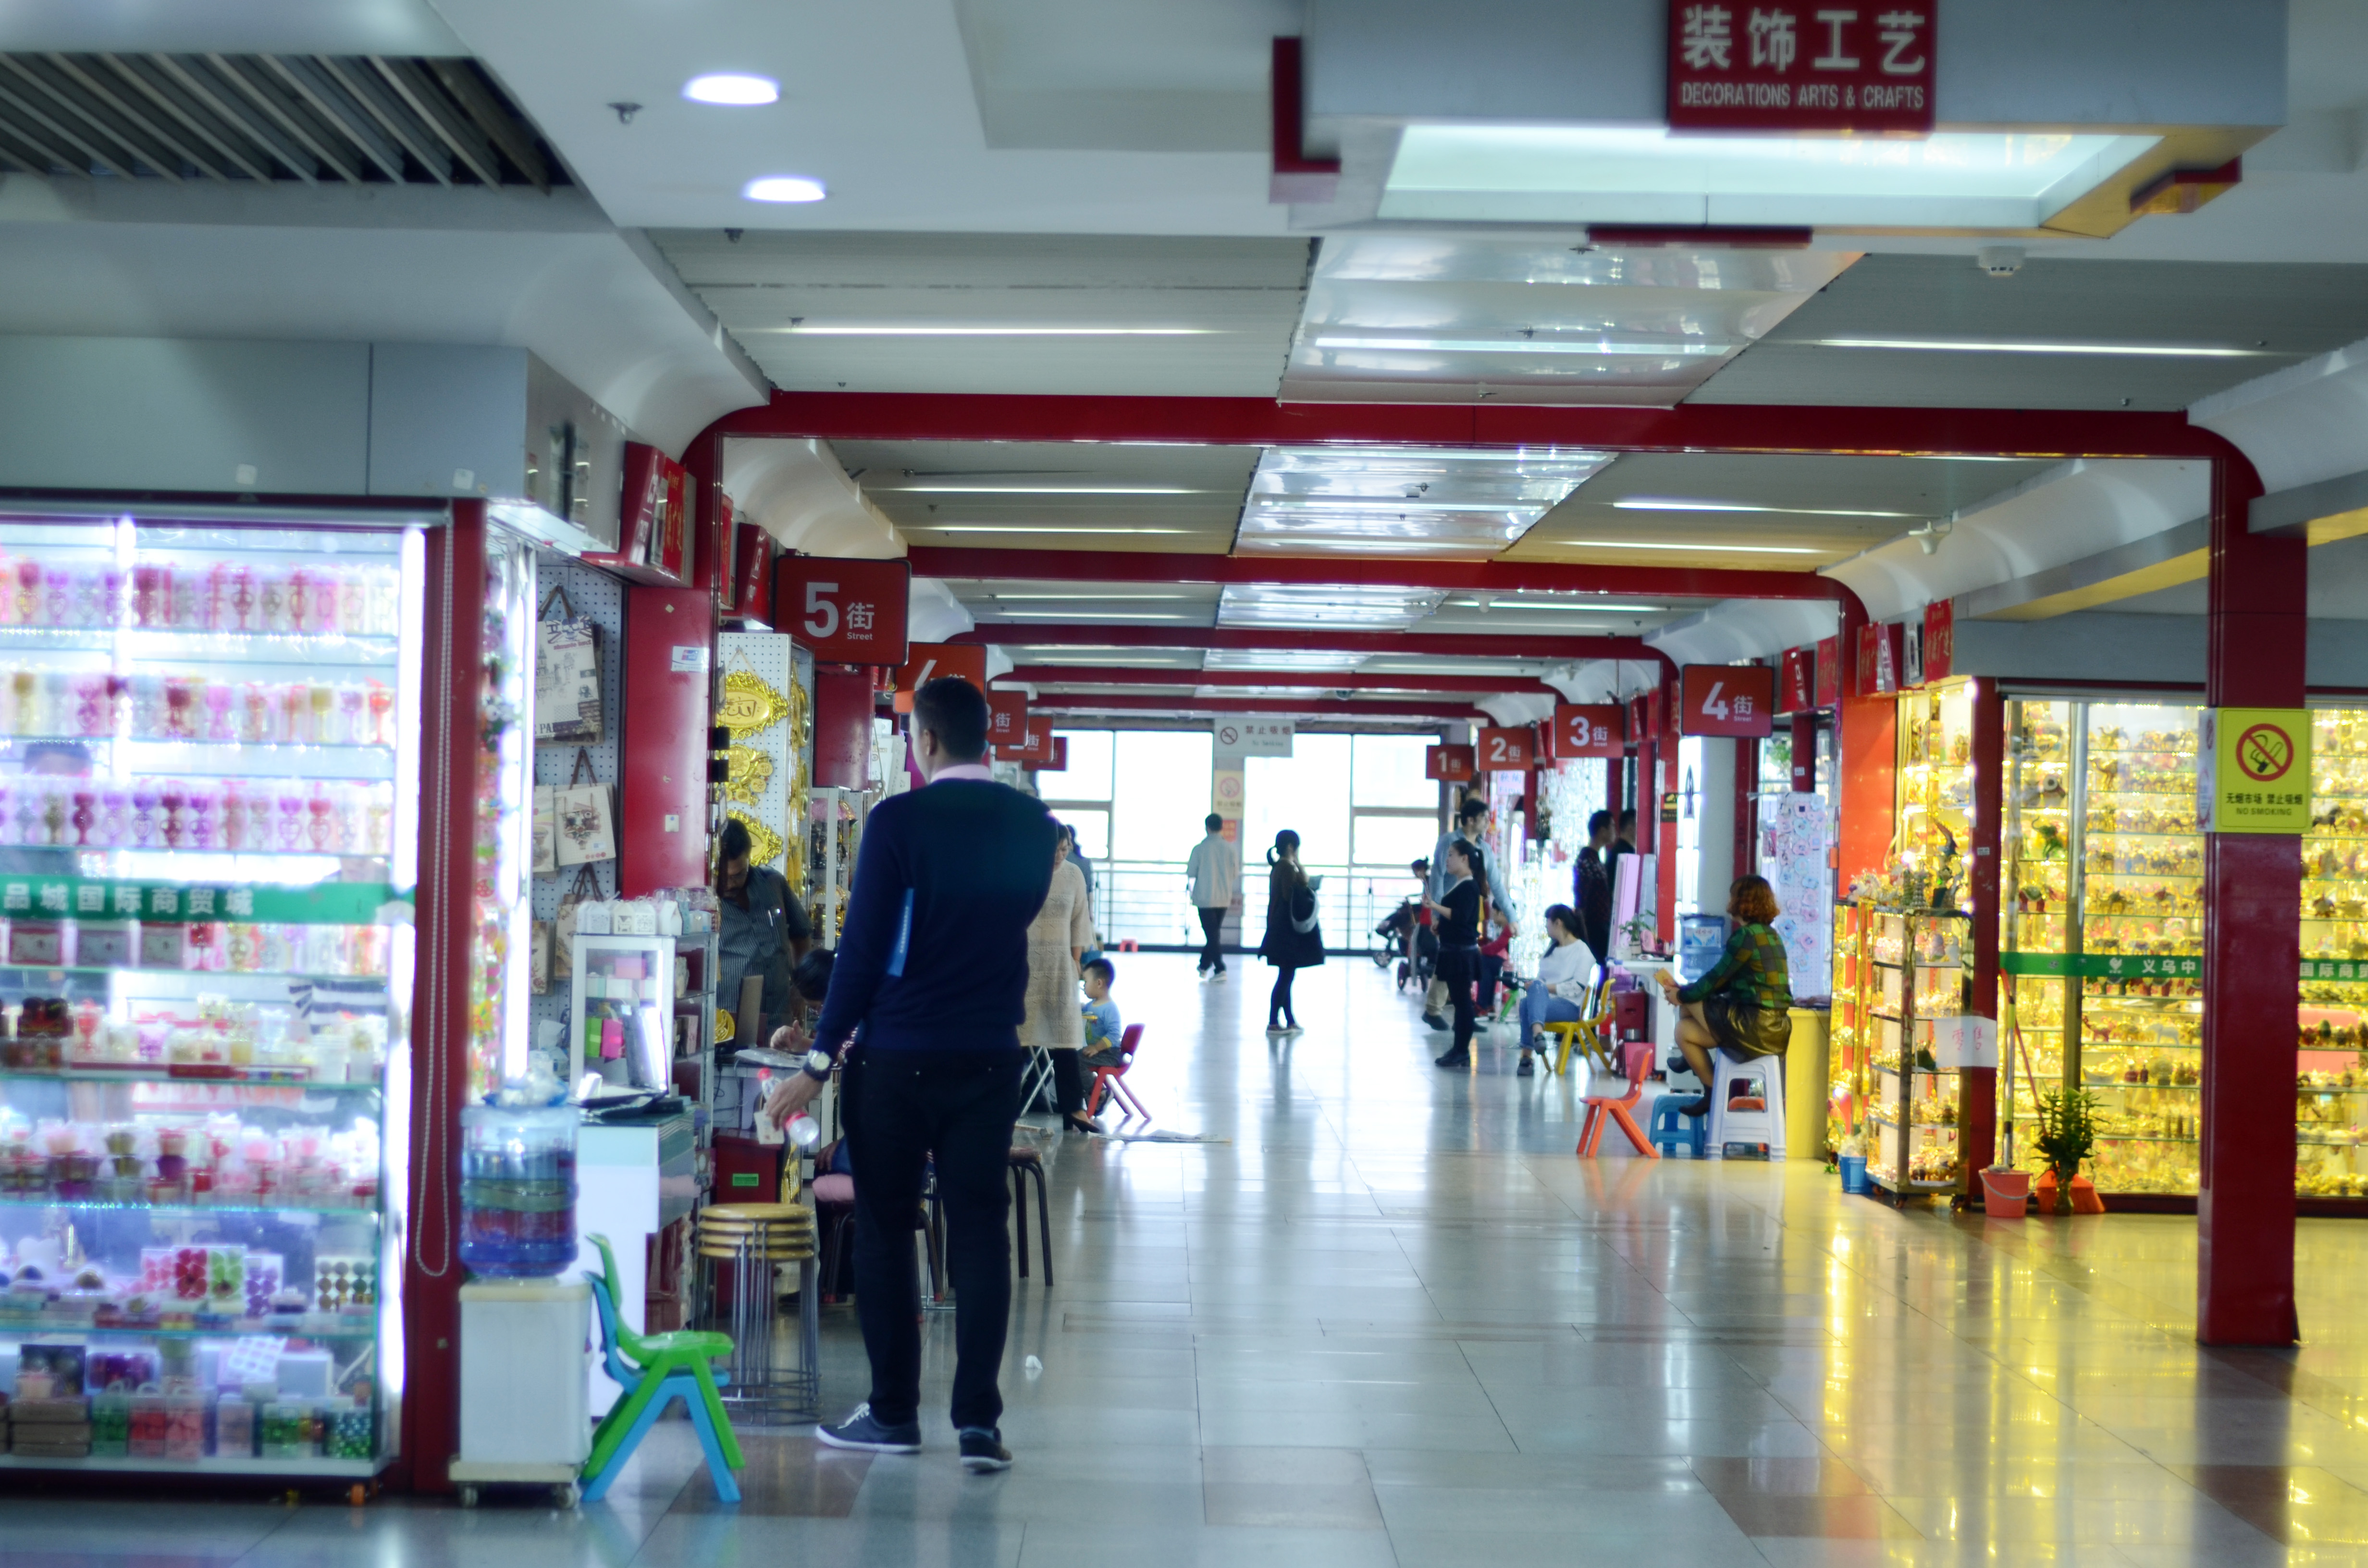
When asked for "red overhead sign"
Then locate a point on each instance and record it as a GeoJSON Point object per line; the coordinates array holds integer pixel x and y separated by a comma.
{"type": "Point", "coordinates": [1796, 681]}
{"type": "Point", "coordinates": [1865, 68]}
{"type": "Point", "coordinates": [933, 661]}
{"type": "Point", "coordinates": [1506, 751]}
{"type": "Point", "coordinates": [846, 612]}
{"type": "Point", "coordinates": [1880, 653]}
{"type": "Point", "coordinates": [1033, 748]}
{"type": "Point", "coordinates": [1060, 758]}
{"type": "Point", "coordinates": [1589, 730]}
{"type": "Point", "coordinates": [1829, 672]}
{"type": "Point", "coordinates": [1727, 699]}
{"type": "Point", "coordinates": [1940, 639]}
{"type": "Point", "coordinates": [1449, 764]}
{"type": "Point", "coordinates": [1006, 719]}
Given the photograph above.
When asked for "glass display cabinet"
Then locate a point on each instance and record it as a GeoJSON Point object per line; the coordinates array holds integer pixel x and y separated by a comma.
{"type": "Point", "coordinates": [209, 742]}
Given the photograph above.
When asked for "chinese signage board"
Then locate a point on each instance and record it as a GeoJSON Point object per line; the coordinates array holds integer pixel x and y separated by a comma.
{"type": "Point", "coordinates": [34, 899]}
{"type": "Point", "coordinates": [1449, 764]}
{"type": "Point", "coordinates": [1589, 730]}
{"type": "Point", "coordinates": [1059, 761]}
{"type": "Point", "coordinates": [1727, 699]}
{"type": "Point", "coordinates": [1789, 68]}
{"type": "Point", "coordinates": [934, 661]}
{"type": "Point", "coordinates": [1879, 653]}
{"type": "Point", "coordinates": [1796, 681]}
{"type": "Point", "coordinates": [846, 612]}
{"type": "Point", "coordinates": [1506, 751]}
{"type": "Point", "coordinates": [1829, 671]}
{"type": "Point", "coordinates": [1940, 639]}
{"type": "Point", "coordinates": [2255, 772]}
{"type": "Point", "coordinates": [1252, 737]}
{"type": "Point", "coordinates": [1006, 719]}
{"type": "Point", "coordinates": [1032, 749]}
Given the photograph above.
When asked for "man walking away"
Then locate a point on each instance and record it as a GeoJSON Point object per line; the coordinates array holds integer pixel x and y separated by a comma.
{"type": "Point", "coordinates": [1591, 888]}
{"type": "Point", "coordinates": [933, 963]}
{"type": "Point", "coordinates": [1213, 877]}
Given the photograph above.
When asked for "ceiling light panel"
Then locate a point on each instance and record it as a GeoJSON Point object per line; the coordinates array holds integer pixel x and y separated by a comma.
{"type": "Point", "coordinates": [1280, 659]}
{"type": "Point", "coordinates": [1601, 175]}
{"type": "Point", "coordinates": [1353, 497]}
{"type": "Point", "coordinates": [733, 89]}
{"type": "Point", "coordinates": [1292, 605]}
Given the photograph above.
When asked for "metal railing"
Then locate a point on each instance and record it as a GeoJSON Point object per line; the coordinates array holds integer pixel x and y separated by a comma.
{"type": "Point", "coordinates": [1145, 902]}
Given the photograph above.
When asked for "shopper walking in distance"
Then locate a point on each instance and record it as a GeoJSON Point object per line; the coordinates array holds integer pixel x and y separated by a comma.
{"type": "Point", "coordinates": [1213, 878]}
{"type": "Point", "coordinates": [1294, 939]}
{"type": "Point", "coordinates": [933, 964]}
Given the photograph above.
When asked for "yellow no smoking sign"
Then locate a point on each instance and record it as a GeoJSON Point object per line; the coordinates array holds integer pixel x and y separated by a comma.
{"type": "Point", "coordinates": [2255, 770]}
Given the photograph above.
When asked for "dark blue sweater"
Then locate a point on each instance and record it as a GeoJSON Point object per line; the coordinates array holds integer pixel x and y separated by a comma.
{"type": "Point", "coordinates": [934, 953]}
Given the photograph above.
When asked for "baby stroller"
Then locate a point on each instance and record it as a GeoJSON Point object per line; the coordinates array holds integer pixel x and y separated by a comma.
{"type": "Point", "coordinates": [1415, 946]}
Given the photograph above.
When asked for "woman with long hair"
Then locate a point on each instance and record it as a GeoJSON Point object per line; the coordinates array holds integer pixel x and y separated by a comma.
{"type": "Point", "coordinates": [1461, 910]}
{"type": "Point", "coordinates": [1743, 1005]}
{"type": "Point", "coordinates": [1057, 939]}
{"type": "Point", "coordinates": [1294, 939]}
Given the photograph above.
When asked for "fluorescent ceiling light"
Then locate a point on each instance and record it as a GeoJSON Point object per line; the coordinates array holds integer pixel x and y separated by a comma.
{"type": "Point", "coordinates": [1294, 659]}
{"type": "Point", "coordinates": [882, 331]}
{"type": "Point", "coordinates": [732, 87]}
{"type": "Point", "coordinates": [1582, 606]}
{"type": "Point", "coordinates": [1029, 529]}
{"type": "Point", "coordinates": [1666, 503]}
{"type": "Point", "coordinates": [1036, 490]}
{"type": "Point", "coordinates": [1979, 345]}
{"type": "Point", "coordinates": [1665, 544]}
{"type": "Point", "coordinates": [1683, 348]}
{"type": "Point", "coordinates": [1575, 174]}
{"type": "Point", "coordinates": [1093, 598]}
{"type": "Point", "coordinates": [1093, 615]}
{"type": "Point", "coordinates": [784, 187]}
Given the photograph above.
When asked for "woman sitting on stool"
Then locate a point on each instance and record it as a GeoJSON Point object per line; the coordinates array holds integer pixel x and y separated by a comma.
{"type": "Point", "coordinates": [1744, 1005]}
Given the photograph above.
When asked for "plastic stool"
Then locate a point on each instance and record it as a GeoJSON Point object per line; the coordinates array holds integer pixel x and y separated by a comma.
{"type": "Point", "coordinates": [1671, 1129]}
{"type": "Point", "coordinates": [1747, 1107]}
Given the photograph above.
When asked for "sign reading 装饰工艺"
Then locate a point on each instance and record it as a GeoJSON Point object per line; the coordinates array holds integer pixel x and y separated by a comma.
{"type": "Point", "coordinates": [2254, 770]}
{"type": "Point", "coordinates": [1865, 68]}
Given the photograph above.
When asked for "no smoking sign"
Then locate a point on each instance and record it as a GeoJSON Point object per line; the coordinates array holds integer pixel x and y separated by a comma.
{"type": "Point", "coordinates": [2255, 776]}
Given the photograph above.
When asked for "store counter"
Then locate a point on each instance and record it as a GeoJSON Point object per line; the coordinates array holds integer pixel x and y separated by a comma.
{"type": "Point", "coordinates": [631, 1182]}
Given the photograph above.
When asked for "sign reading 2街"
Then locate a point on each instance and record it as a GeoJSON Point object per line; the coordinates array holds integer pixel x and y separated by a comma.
{"type": "Point", "coordinates": [2255, 770]}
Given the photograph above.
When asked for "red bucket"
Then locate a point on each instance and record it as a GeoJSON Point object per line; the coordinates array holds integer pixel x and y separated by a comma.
{"type": "Point", "coordinates": [2005, 1193]}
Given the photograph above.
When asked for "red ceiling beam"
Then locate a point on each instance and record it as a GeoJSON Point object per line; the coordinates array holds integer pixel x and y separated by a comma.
{"type": "Point", "coordinates": [1337, 680]}
{"type": "Point", "coordinates": [1687, 427]}
{"type": "Point", "coordinates": [1445, 644]}
{"type": "Point", "coordinates": [1132, 702]}
{"type": "Point", "coordinates": [971, 564]}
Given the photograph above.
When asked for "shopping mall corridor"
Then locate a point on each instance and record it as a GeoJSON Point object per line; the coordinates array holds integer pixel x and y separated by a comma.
{"type": "Point", "coordinates": [1390, 1319]}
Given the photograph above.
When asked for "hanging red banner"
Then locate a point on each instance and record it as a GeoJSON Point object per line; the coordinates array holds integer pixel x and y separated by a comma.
{"type": "Point", "coordinates": [1796, 681]}
{"type": "Point", "coordinates": [1879, 656]}
{"type": "Point", "coordinates": [1940, 639]}
{"type": "Point", "coordinates": [1829, 672]}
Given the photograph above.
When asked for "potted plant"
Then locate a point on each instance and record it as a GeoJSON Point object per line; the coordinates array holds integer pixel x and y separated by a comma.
{"type": "Point", "coordinates": [2067, 1135]}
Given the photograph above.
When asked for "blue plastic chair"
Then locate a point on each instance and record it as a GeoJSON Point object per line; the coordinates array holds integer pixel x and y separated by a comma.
{"type": "Point", "coordinates": [676, 1385]}
{"type": "Point", "coordinates": [1670, 1129]}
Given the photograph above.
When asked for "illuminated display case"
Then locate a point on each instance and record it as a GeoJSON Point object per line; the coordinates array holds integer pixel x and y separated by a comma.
{"type": "Point", "coordinates": [1918, 964]}
{"type": "Point", "coordinates": [1936, 782]}
{"type": "Point", "coordinates": [210, 744]}
{"type": "Point", "coordinates": [2331, 1069]}
{"type": "Point", "coordinates": [1849, 1029]}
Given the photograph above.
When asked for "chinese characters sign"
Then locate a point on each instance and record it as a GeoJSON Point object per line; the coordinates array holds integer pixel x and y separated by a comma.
{"type": "Point", "coordinates": [1727, 699]}
{"type": "Point", "coordinates": [1006, 719]}
{"type": "Point", "coordinates": [1797, 682]}
{"type": "Point", "coordinates": [1449, 764]}
{"type": "Point", "coordinates": [1252, 737]}
{"type": "Point", "coordinates": [1865, 68]}
{"type": "Point", "coordinates": [2255, 776]}
{"type": "Point", "coordinates": [846, 612]}
{"type": "Point", "coordinates": [322, 903]}
{"type": "Point", "coordinates": [1589, 730]}
{"type": "Point", "coordinates": [1940, 639]}
{"type": "Point", "coordinates": [933, 661]}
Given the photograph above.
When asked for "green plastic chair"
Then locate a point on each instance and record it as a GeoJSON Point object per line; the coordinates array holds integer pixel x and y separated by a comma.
{"type": "Point", "coordinates": [657, 1358]}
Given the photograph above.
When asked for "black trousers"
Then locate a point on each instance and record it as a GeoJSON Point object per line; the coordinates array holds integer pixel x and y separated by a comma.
{"type": "Point", "coordinates": [1068, 1083]}
{"type": "Point", "coordinates": [1212, 946]}
{"type": "Point", "coordinates": [1458, 969]}
{"type": "Point", "coordinates": [1278, 1001]}
{"type": "Point", "coordinates": [901, 1107]}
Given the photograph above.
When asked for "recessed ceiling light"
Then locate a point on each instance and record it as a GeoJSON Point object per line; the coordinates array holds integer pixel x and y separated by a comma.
{"type": "Point", "coordinates": [1011, 615]}
{"type": "Point", "coordinates": [735, 88]}
{"type": "Point", "coordinates": [1581, 607]}
{"type": "Point", "coordinates": [1979, 345]}
{"type": "Point", "coordinates": [1685, 347]}
{"type": "Point", "coordinates": [1664, 503]}
{"type": "Point", "coordinates": [1027, 528]}
{"type": "Point", "coordinates": [1665, 544]}
{"type": "Point", "coordinates": [784, 187]}
{"type": "Point", "coordinates": [1096, 599]}
{"type": "Point", "coordinates": [801, 330]}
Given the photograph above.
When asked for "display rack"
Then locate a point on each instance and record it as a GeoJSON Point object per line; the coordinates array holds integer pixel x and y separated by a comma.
{"type": "Point", "coordinates": [1918, 963]}
{"type": "Point", "coordinates": [207, 847]}
{"type": "Point", "coordinates": [1850, 1027]}
{"type": "Point", "coordinates": [1936, 782]}
{"type": "Point", "coordinates": [2331, 1066]}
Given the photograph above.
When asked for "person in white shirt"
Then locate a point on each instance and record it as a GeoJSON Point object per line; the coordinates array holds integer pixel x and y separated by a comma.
{"type": "Point", "coordinates": [1563, 971]}
{"type": "Point", "coordinates": [1213, 877]}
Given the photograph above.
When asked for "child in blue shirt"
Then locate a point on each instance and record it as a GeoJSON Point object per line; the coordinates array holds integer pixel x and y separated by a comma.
{"type": "Point", "coordinates": [1102, 1027]}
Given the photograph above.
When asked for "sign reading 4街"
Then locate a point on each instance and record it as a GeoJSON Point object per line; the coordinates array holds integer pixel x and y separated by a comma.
{"type": "Point", "coordinates": [2254, 772]}
{"type": "Point", "coordinates": [1252, 737]}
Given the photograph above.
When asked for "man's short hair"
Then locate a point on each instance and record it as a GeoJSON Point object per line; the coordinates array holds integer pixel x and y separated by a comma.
{"type": "Point", "coordinates": [812, 977]}
{"type": "Point", "coordinates": [1597, 823]}
{"type": "Point", "coordinates": [1473, 806]}
{"type": "Point", "coordinates": [733, 843]}
{"type": "Point", "coordinates": [955, 712]}
{"type": "Point", "coordinates": [1214, 823]}
{"type": "Point", "coordinates": [1103, 968]}
{"type": "Point", "coordinates": [1628, 818]}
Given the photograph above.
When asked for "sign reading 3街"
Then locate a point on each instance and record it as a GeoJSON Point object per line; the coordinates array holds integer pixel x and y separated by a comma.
{"type": "Point", "coordinates": [2255, 770]}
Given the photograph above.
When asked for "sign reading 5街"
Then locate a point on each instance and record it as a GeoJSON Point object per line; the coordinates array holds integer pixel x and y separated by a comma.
{"type": "Point", "coordinates": [2255, 772]}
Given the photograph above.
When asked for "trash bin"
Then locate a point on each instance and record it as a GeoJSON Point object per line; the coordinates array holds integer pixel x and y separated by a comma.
{"type": "Point", "coordinates": [1804, 1086]}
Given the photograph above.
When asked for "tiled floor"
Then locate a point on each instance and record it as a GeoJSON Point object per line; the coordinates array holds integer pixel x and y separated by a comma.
{"type": "Point", "coordinates": [1391, 1320]}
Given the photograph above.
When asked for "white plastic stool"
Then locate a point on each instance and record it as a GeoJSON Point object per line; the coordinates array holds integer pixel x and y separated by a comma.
{"type": "Point", "coordinates": [1753, 1130]}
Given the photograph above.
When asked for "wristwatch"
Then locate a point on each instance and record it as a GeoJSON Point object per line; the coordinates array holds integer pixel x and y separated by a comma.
{"type": "Point", "coordinates": [817, 1064]}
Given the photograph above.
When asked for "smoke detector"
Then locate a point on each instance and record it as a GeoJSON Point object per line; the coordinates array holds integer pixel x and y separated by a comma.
{"type": "Point", "coordinates": [1999, 261]}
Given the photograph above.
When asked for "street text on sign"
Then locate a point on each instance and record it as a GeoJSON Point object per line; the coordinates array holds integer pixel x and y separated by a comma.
{"type": "Point", "coordinates": [1505, 750]}
{"type": "Point", "coordinates": [1793, 67]}
{"type": "Point", "coordinates": [844, 611]}
{"type": "Point", "coordinates": [1727, 699]}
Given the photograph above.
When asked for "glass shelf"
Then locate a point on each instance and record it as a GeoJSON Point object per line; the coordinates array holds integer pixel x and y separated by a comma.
{"type": "Point", "coordinates": [45, 1325]}
{"type": "Point", "coordinates": [148, 642]}
{"type": "Point", "coordinates": [164, 1075]}
{"type": "Point", "coordinates": [188, 1211]}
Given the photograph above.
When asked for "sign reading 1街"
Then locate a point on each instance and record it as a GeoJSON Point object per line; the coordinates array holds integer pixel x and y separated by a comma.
{"type": "Point", "coordinates": [2254, 772]}
{"type": "Point", "coordinates": [1252, 737]}
{"type": "Point", "coordinates": [1865, 68]}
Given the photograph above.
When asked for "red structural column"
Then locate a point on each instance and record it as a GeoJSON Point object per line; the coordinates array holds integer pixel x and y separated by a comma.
{"type": "Point", "coordinates": [1805, 754]}
{"type": "Point", "coordinates": [712, 565]}
{"type": "Point", "coordinates": [1866, 763]}
{"type": "Point", "coordinates": [1747, 808]}
{"type": "Point", "coordinates": [1980, 1119]}
{"type": "Point", "coordinates": [2252, 948]}
{"type": "Point", "coordinates": [1665, 787]}
{"type": "Point", "coordinates": [439, 1031]}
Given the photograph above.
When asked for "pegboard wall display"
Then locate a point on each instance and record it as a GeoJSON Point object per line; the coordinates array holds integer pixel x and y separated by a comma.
{"type": "Point", "coordinates": [765, 709]}
{"type": "Point", "coordinates": [601, 599]}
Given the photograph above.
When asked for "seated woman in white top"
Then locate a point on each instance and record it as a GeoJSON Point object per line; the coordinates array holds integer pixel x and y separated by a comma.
{"type": "Point", "coordinates": [1554, 995]}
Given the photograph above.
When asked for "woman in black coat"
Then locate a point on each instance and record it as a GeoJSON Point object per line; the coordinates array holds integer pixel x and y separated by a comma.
{"type": "Point", "coordinates": [1294, 939]}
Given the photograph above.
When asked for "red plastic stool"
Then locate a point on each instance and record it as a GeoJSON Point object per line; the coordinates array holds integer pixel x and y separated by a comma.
{"type": "Point", "coordinates": [1636, 1056]}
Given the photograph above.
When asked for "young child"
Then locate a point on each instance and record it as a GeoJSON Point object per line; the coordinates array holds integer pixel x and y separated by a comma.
{"type": "Point", "coordinates": [1103, 1026]}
